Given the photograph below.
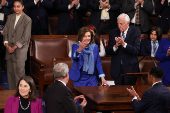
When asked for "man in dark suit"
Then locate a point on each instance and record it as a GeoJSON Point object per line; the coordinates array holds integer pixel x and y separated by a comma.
{"type": "Point", "coordinates": [70, 16]}
{"type": "Point", "coordinates": [155, 99]}
{"type": "Point", "coordinates": [124, 44]}
{"type": "Point", "coordinates": [103, 14]}
{"type": "Point", "coordinates": [138, 11]}
{"type": "Point", "coordinates": [58, 97]}
{"type": "Point", "coordinates": [36, 10]}
{"type": "Point", "coordinates": [163, 11]}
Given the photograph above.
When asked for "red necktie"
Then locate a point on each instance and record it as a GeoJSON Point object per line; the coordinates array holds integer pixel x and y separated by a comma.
{"type": "Point", "coordinates": [71, 11]}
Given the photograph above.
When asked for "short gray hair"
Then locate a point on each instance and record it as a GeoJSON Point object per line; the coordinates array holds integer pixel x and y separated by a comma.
{"type": "Point", "coordinates": [60, 70]}
{"type": "Point", "coordinates": [127, 19]}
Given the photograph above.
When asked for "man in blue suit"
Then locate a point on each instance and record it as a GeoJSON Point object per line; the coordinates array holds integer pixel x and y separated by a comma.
{"type": "Point", "coordinates": [37, 11]}
{"type": "Point", "coordinates": [70, 16]}
{"type": "Point", "coordinates": [123, 46]}
{"type": "Point", "coordinates": [155, 99]}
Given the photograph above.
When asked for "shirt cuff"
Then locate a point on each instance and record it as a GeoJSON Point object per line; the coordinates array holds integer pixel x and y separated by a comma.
{"type": "Point", "coordinates": [76, 54]}
{"type": "Point", "coordinates": [100, 7]}
{"type": "Point", "coordinates": [78, 6]}
{"type": "Point", "coordinates": [101, 75]}
{"type": "Point", "coordinates": [5, 42]}
{"type": "Point", "coordinates": [35, 2]}
{"type": "Point", "coordinates": [125, 45]}
{"type": "Point", "coordinates": [134, 98]}
{"type": "Point", "coordinates": [41, 1]}
{"type": "Point", "coordinates": [19, 45]}
{"type": "Point", "coordinates": [107, 9]}
{"type": "Point", "coordinates": [68, 7]}
{"type": "Point", "coordinates": [114, 49]}
{"type": "Point", "coordinates": [141, 5]}
{"type": "Point", "coordinates": [6, 3]}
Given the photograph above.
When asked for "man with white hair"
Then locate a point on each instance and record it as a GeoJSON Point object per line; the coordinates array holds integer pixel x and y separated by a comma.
{"type": "Point", "coordinates": [58, 97]}
{"type": "Point", "coordinates": [123, 46]}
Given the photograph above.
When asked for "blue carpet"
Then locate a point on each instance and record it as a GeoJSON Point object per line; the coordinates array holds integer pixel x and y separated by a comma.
{"type": "Point", "coordinates": [4, 83]}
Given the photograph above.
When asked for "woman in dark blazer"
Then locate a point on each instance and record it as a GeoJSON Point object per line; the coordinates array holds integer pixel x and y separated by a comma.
{"type": "Point", "coordinates": [17, 33]}
{"type": "Point", "coordinates": [150, 45]}
{"type": "Point", "coordinates": [25, 100]}
{"type": "Point", "coordinates": [163, 55]}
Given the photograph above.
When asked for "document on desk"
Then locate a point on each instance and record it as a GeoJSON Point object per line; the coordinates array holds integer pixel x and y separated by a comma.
{"type": "Point", "coordinates": [110, 82]}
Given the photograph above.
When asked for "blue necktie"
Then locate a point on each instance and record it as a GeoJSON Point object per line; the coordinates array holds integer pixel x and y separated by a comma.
{"type": "Point", "coordinates": [123, 34]}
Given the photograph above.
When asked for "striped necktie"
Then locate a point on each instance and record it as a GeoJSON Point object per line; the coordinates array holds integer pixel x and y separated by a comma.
{"type": "Point", "coordinates": [137, 21]}
{"type": "Point", "coordinates": [71, 11]}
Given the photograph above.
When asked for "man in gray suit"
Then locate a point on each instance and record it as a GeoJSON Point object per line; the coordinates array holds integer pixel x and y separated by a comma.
{"type": "Point", "coordinates": [17, 33]}
{"type": "Point", "coordinates": [138, 11]}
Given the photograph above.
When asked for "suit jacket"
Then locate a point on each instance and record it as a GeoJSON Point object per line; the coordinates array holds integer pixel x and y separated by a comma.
{"type": "Point", "coordinates": [161, 56]}
{"type": "Point", "coordinates": [12, 105]}
{"type": "Point", "coordinates": [33, 11]}
{"type": "Point", "coordinates": [78, 62]}
{"type": "Point", "coordinates": [128, 8]}
{"type": "Point", "coordinates": [145, 47]}
{"type": "Point", "coordinates": [59, 99]}
{"type": "Point", "coordinates": [64, 14]}
{"type": "Point", "coordinates": [164, 12]}
{"type": "Point", "coordinates": [154, 100]}
{"type": "Point", "coordinates": [96, 12]}
{"type": "Point", "coordinates": [19, 36]}
{"type": "Point", "coordinates": [6, 10]}
{"type": "Point", "coordinates": [128, 55]}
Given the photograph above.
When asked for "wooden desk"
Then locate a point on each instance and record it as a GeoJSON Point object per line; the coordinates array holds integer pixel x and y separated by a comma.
{"type": "Point", "coordinates": [113, 98]}
{"type": "Point", "coordinates": [3, 97]}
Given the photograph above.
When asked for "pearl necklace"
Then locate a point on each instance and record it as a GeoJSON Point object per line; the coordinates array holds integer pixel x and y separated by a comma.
{"type": "Point", "coordinates": [22, 106]}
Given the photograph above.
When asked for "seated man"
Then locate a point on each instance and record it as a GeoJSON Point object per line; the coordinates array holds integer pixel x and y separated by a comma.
{"type": "Point", "coordinates": [58, 97]}
{"type": "Point", "coordinates": [155, 99]}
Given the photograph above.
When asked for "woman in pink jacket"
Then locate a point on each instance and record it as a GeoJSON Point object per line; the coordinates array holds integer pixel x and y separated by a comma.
{"type": "Point", "coordinates": [25, 100]}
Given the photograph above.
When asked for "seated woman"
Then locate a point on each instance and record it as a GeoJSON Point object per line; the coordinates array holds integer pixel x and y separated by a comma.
{"type": "Point", "coordinates": [150, 45]}
{"type": "Point", "coordinates": [25, 100]}
{"type": "Point", "coordinates": [87, 68]}
{"type": "Point", "coordinates": [163, 55]}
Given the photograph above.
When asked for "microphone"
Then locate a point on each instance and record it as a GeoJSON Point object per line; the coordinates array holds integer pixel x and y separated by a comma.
{"type": "Point", "coordinates": [138, 63]}
{"type": "Point", "coordinates": [154, 62]}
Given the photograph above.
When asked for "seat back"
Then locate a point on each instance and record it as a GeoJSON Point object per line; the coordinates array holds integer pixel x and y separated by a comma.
{"type": "Point", "coordinates": [45, 49]}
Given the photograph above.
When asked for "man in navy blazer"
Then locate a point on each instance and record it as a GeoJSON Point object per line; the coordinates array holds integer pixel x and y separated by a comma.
{"type": "Point", "coordinates": [155, 99]}
{"type": "Point", "coordinates": [104, 24]}
{"type": "Point", "coordinates": [59, 97]}
{"type": "Point", "coordinates": [65, 24]}
{"type": "Point", "coordinates": [37, 11]}
{"type": "Point", "coordinates": [163, 11]}
{"type": "Point", "coordinates": [123, 46]}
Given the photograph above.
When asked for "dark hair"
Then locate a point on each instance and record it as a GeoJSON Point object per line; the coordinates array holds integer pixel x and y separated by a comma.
{"type": "Point", "coordinates": [158, 32]}
{"type": "Point", "coordinates": [157, 72]}
{"type": "Point", "coordinates": [82, 32]}
{"type": "Point", "coordinates": [30, 81]}
{"type": "Point", "coordinates": [96, 38]}
{"type": "Point", "coordinates": [21, 1]}
{"type": "Point", "coordinates": [168, 34]}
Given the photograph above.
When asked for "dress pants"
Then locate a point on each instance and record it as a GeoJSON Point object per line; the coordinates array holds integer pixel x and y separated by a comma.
{"type": "Point", "coordinates": [15, 70]}
{"type": "Point", "coordinates": [104, 28]}
{"type": "Point", "coordinates": [124, 80]}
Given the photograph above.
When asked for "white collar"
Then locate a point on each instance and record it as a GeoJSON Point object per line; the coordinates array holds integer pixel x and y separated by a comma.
{"type": "Point", "coordinates": [125, 32]}
{"type": "Point", "coordinates": [62, 82]}
{"type": "Point", "coordinates": [155, 83]}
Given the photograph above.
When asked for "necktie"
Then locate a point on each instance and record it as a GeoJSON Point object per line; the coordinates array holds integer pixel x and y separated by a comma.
{"type": "Point", "coordinates": [123, 34]}
{"type": "Point", "coordinates": [38, 3]}
{"type": "Point", "coordinates": [71, 12]}
{"type": "Point", "coordinates": [137, 15]}
{"type": "Point", "coordinates": [154, 48]}
{"type": "Point", "coordinates": [104, 12]}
